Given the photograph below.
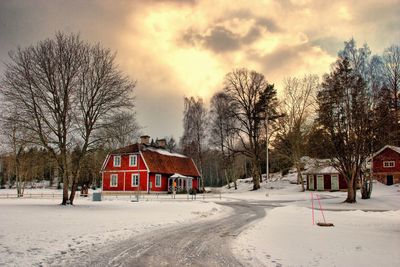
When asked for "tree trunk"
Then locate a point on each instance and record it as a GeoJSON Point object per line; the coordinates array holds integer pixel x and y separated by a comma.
{"type": "Point", "coordinates": [300, 177]}
{"type": "Point", "coordinates": [227, 179]}
{"type": "Point", "coordinates": [366, 187]}
{"type": "Point", "coordinates": [73, 191]}
{"type": "Point", "coordinates": [65, 187]}
{"type": "Point", "coordinates": [256, 175]}
{"type": "Point", "coordinates": [351, 191]}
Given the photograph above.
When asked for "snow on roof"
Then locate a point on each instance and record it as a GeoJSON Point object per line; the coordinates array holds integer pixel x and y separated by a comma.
{"type": "Point", "coordinates": [165, 152]}
{"type": "Point", "coordinates": [324, 169]}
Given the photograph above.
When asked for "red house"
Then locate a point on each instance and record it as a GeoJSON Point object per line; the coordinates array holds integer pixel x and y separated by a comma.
{"type": "Point", "coordinates": [148, 168]}
{"type": "Point", "coordinates": [386, 165]}
{"type": "Point", "coordinates": [324, 178]}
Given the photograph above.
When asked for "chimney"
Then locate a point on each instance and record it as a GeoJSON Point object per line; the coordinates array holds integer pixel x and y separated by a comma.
{"type": "Point", "coordinates": [161, 143]}
{"type": "Point", "coordinates": [145, 139]}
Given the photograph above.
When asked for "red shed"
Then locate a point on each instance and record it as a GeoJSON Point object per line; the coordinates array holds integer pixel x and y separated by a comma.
{"type": "Point", "coordinates": [324, 178]}
{"type": "Point", "coordinates": [146, 168]}
{"type": "Point", "coordinates": [386, 165]}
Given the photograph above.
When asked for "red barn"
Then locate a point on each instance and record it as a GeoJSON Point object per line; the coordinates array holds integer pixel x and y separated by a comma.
{"type": "Point", "coordinates": [148, 168]}
{"type": "Point", "coordinates": [324, 178]}
{"type": "Point", "coordinates": [386, 165]}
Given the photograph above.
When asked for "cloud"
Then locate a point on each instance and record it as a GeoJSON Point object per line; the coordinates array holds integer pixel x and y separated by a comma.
{"type": "Point", "coordinates": [175, 47]}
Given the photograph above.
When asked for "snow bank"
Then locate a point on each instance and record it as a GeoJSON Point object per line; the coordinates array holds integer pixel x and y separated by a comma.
{"type": "Point", "coordinates": [287, 237]}
{"type": "Point", "coordinates": [36, 230]}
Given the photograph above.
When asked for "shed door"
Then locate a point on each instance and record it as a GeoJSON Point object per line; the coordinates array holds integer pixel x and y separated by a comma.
{"type": "Point", "coordinates": [334, 182]}
{"type": "Point", "coordinates": [311, 182]}
{"type": "Point", "coordinates": [389, 179]}
{"type": "Point", "coordinates": [320, 182]}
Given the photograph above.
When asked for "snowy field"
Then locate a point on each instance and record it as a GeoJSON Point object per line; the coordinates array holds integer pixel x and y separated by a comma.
{"type": "Point", "coordinates": [39, 231]}
{"type": "Point", "coordinates": [365, 234]}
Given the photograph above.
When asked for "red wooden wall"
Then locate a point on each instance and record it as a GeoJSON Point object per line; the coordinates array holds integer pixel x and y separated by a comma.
{"type": "Point", "coordinates": [386, 155]}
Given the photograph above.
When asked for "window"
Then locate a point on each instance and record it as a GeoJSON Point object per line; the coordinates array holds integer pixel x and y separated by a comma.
{"type": "Point", "coordinates": [132, 160]}
{"type": "Point", "coordinates": [158, 180]}
{"type": "Point", "coordinates": [388, 164]}
{"type": "Point", "coordinates": [114, 180]}
{"type": "Point", "coordinates": [117, 161]}
{"type": "Point", "coordinates": [135, 179]}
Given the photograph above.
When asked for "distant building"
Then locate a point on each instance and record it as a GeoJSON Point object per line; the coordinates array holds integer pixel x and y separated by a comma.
{"type": "Point", "coordinates": [386, 165]}
{"type": "Point", "coordinates": [148, 168]}
{"type": "Point", "coordinates": [324, 177]}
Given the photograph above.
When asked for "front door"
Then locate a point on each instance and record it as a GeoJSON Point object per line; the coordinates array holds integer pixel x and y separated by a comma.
{"type": "Point", "coordinates": [320, 182]}
{"type": "Point", "coordinates": [334, 182]}
{"type": "Point", "coordinates": [311, 182]}
{"type": "Point", "coordinates": [389, 179]}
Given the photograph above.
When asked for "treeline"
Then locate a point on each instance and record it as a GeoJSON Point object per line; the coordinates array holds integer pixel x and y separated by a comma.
{"type": "Point", "coordinates": [350, 113]}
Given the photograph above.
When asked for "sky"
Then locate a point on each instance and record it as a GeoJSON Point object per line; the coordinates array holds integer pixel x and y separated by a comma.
{"type": "Point", "coordinates": [177, 48]}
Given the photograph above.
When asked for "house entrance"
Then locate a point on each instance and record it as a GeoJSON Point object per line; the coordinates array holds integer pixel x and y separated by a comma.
{"type": "Point", "coordinates": [389, 179]}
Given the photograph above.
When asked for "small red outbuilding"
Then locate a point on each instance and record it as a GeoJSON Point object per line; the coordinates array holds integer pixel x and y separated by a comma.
{"type": "Point", "coordinates": [148, 168]}
{"type": "Point", "coordinates": [324, 178]}
{"type": "Point", "coordinates": [386, 165]}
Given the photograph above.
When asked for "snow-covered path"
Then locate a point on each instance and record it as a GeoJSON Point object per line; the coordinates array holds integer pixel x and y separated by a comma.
{"type": "Point", "coordinates": [202, 244]}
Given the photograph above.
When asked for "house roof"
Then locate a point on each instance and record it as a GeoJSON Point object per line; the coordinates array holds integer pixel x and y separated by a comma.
{"type": "Point", "coordinates": [169, 164]}
{"type": "Point", "coordinates": [394, 148]}
{"type": "Point", "coordinates": [159, 160]}
{"type": "Point", "coordinates": [127, 149]}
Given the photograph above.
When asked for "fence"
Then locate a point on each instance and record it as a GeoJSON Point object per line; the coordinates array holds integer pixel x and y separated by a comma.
{"type": "Point", "coordinates": [34, 195]}
{"type": "Point", "coordinates": [131, 197]}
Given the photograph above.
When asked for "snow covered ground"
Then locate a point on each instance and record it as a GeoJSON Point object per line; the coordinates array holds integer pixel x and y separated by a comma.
{"type": "Point", "coordinates": [36, 230]}
{"type": "Point", "coordinates": [365, 234]}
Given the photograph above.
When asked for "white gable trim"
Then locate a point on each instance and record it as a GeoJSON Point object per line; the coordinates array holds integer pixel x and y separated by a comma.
{"type": "Point", "coordinates": [105, 163]}
{"type": "Point", "coordinates": [394, 148]}
{"type": "Point", "coordinates": [196, 168]}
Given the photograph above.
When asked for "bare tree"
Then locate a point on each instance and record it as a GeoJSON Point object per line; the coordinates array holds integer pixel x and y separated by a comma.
{"type": "Point", "coordinates": [391, 59]}
{"type": "Point", "coordinates": [120, 130]}
{"type": "Point", "coordinates": [17, 141]}
{"type": "Point", "coordinates": [251, 95]}
{"type": "Point", "coordinates": [298, 106]}
{"type": "Point", "coordinates": [344, 113]}
{"type": "Point", "coordinates": [223, 133]}
{"type": "Point", "coordinates": [65, 89]}
{"type": "Point", "coordinates": [194, 130]}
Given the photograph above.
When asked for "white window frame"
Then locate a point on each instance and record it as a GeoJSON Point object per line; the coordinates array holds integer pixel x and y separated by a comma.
{"type": "Point", "coordinates": [116, 180]}
{"type": "Point", "coordinates": [389, 164]}
{"type": "Point", "coordinates": [158, 176]}
{"type": "Point", "coordinates": [133, 179]}
{"type": "Point", "coordinates": [114, 161]}
{"type": "Point", "coordinates": [134, 164]}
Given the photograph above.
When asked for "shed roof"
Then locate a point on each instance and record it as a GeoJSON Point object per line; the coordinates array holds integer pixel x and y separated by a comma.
{"type": "Point", "coordinates": [324, 169]}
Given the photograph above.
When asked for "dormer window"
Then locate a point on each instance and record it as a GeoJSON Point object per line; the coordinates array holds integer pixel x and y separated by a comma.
{"type": "Point", "coordinates": [389, 164]}
{"type": "Point", "coordinates": [133, 160]}
{"type": "Point", "coordinates": [117, 161]}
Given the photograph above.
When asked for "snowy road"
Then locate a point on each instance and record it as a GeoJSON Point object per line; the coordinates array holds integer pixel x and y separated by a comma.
{"type": "Point", "coordinates": [200, 244]}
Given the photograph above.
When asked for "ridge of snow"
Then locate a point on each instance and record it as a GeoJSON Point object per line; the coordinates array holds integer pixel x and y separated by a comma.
{"type": "Point", "coordinates": [165, 152]}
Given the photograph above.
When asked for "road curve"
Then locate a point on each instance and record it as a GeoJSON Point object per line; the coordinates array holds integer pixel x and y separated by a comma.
{"type": "Point", "coordinates": [200, 244]}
